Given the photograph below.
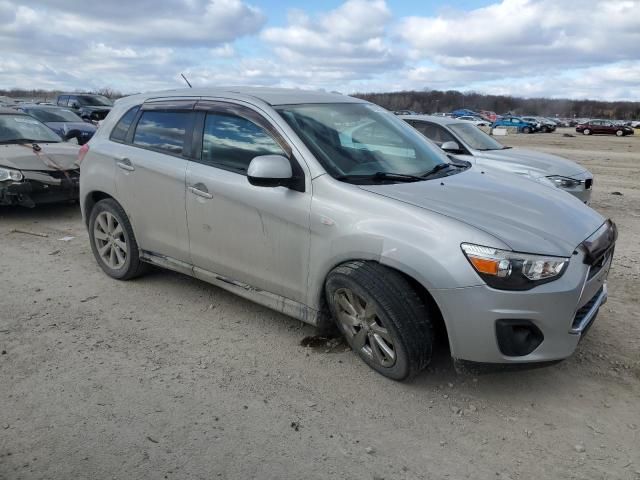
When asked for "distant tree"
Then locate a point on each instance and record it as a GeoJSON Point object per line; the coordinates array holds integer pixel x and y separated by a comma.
{"type": "Point", "coordinates": [431, 101]}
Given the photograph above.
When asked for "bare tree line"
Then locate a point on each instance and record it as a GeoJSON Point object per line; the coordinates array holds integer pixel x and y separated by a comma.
{"type": "Point", "coordinates": [439, 101]}
{"type": "Point", "coordinates": [446, 101]}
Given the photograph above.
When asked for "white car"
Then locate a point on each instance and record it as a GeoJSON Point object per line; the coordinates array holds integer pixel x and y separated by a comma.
{"type": "Point", "coordinates": [477, 121]}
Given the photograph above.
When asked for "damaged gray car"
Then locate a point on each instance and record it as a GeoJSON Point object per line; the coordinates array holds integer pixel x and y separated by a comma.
{"type": "Point", "coordinates": [36, 166]}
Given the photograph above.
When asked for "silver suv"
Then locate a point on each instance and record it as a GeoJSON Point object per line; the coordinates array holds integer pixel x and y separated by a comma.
{"type": "Point", "coordinates": [324, 207]}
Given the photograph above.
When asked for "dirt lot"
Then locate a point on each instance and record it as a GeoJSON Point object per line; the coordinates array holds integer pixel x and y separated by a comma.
{"type": "Point", "coordinates": [168, 377]}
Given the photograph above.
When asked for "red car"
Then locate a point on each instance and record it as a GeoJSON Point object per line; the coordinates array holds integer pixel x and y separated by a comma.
{"type": "Point", "coordinates": [603, 126]}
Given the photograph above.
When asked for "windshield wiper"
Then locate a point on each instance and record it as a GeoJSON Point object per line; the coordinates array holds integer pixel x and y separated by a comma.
{"type": "Point", "coordinates": [400, 177]}
{"type": "Point", "coordinates": [436, 169]}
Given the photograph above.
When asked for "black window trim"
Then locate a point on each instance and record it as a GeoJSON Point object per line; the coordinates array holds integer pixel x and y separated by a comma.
{"type": "Point", "coordinates": [187, 152]}
{"type": "Point", "coordinates": [133, 122]}
{"type": "Point", "coordinates": [203, 107]}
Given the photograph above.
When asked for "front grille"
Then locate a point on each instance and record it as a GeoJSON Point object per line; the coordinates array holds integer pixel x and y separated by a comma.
{"type": "Point", "coordinates": [63, 174]}
{"type": "Point", "coordinates": [585, 309]}
{"type": "Point", "coordinates": [588, 183]}
{"type": "Point", "coordinates": [597, 265]}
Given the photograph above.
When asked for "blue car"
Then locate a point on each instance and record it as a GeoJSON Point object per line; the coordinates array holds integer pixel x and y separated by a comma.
{"type": "Point", "coordinates": [522, 125]}
{"type": "Point", "coordinates": [62, 121]}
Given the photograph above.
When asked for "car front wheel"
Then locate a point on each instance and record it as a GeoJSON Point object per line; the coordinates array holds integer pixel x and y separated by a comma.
{"type": "Point", "coordinates": [382, 318]}
{"type": "Point", "coordinates": [526, 130]}
{"type": "Point", "coordinates": [113, 243]}
{"type": "Point", "coordinates": [619, 133]}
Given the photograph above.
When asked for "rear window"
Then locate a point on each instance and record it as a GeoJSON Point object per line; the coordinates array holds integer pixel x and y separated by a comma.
{"type": "Point", "coordinates": [163, 131]}
{"type": "Point", "coordinates": [119, 132]}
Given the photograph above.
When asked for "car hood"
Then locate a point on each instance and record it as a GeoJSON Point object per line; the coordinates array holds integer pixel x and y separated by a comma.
{"type": "Point", "coordinates": [52, 156]}
{"type": "Point", "coordinates": [534, 163]}
{"type": "Point", "coordinates": [68, 126]}
{"type": "Point", "coordinates": [527, 216]}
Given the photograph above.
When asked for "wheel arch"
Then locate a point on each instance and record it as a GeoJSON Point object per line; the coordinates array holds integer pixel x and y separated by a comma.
{"type": "Point", "coordinates": [90, 200]}
{"type": "Point", "coordinates": [440, 327]}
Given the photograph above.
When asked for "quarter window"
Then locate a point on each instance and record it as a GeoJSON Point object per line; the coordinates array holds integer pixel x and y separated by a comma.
{"type": "Point", "coordinates": [231, 142]}
{"type": "Point", "coordinates": [162, 131]}
{"type": "Point", "coordinates": [119, 132]}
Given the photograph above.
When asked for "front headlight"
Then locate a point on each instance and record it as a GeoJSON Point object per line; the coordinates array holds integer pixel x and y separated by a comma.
{"type": "Point", "coordinates": [564, 182]}
{"type": "Point", "coordinates": [9, 174]}
{"type": "Point", "coordinates": [506, 270]}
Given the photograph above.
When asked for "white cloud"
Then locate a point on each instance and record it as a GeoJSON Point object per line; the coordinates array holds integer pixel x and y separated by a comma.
{"type": "Point", "coordinates": [572, 48]}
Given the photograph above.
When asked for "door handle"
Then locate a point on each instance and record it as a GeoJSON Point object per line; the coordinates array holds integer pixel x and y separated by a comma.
{"type": "Point", "coordinates": [200, 190]}
{"type": "Point", "coordinates": [125, 164]}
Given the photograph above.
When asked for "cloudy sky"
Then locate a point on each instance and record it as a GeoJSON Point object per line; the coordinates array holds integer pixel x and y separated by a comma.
{"type": "Point", "coordinates": [559, 48]}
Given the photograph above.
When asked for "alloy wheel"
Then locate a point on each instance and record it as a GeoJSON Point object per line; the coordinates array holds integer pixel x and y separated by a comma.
{"type": "Point", "coordinates": [110, 240]}
{"type": "Point", "coordinates": [363, 327]}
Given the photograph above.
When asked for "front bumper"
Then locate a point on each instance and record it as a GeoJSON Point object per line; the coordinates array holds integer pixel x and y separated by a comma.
{"type": "Point", "coordinates": [39, 187]}
{"type": "Point", "coordinates": [562, 311]}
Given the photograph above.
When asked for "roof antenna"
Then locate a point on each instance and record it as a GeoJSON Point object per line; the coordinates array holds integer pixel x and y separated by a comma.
{"type": "Point", "coordinates": [185, 79]}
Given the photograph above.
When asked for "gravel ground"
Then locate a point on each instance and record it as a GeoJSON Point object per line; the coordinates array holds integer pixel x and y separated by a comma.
{"type": "Point", "coordinates": [169, 377]}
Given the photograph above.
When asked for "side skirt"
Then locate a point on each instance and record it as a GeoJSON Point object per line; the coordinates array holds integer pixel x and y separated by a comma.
{"type": "Point", "coordinates": [262, 297]}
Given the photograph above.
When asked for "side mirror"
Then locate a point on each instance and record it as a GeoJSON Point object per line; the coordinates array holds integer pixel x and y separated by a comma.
{"type": "Point", "coordinates": [450, 146]}
{"type": "Point", "coordinates": [270, 171]}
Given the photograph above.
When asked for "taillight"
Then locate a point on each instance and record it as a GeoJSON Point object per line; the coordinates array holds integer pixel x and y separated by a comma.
{"type": "Point", "coordinates": [83, 152]}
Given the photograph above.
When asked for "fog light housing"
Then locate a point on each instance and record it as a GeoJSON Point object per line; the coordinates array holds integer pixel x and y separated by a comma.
{"type": "Point", "coordinates": [517, 338]}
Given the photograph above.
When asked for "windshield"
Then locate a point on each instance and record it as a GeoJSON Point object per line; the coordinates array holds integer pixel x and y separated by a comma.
{"type": "Point", "coordinates": [23, 128]}
{"type": "Point", "coordinates": [474, 137]}
{"type": "Point", "coordinates": [94, 100]}
{"type": "Point", "coordinates": [54, 115]}
{"type": "Point", "coordinates": [360, 139]}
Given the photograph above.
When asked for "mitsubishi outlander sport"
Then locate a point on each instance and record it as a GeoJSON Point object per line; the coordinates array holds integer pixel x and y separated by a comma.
{"type": "Point", "coordinates": [329, 208]}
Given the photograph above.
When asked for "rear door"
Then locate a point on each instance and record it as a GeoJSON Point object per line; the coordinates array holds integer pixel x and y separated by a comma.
{"type": "Point", "coordinates": [150, 178]}
{"type": "Point", "coordinates": [255, 235]}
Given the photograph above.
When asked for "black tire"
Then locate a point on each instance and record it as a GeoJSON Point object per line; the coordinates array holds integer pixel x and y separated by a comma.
{"type": "Point", "coordinates": [398, 309]}
{"type": "Point", "coordinates": [586, 131]}
{"type": "Point", "coordinates": [620, 133]}
{"type": "Point", "coordinates": [526, 130]}
{"type": "Point", "coordinates": [132, 266]}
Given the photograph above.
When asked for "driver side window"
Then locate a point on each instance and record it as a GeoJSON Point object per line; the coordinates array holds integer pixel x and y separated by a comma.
{"type": "Point", "coordinates": [435, 133]}
{"type": "Point", "coordinates": [231, 142]}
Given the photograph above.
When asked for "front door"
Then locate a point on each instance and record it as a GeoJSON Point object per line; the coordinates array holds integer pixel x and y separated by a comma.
{"type": "Point", "coordinates": [258, 236]}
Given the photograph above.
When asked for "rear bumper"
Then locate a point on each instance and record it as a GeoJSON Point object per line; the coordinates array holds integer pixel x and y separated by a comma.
{"type": "Point", "coordinates": [560, 312]}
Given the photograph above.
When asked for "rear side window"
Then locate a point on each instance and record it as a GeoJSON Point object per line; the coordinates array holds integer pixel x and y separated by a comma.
{"type": "Point", "coordinates": [119, 132]}
{"type": "Point", "coordinates": [161, 130]}
{"type": "Point", "coordinates": [231, 142]}
{"type": "Point", "coordinates": [62, 101]}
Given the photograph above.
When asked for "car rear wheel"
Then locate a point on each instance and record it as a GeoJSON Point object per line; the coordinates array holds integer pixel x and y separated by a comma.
{"type": "Point", "coordinates": [586, 131]}
{"type": "Point", "coordinates": [619, 133]}
{"type": "Point", "coordinates": [112, 241]}
{"type": "Point", "coordinates": [382, 318]}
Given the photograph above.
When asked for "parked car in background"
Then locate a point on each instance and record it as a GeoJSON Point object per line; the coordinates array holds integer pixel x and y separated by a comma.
{"type": "Point", "coordinates": [276, 195]}
{"type": "Point", "coordinates": [89, 106]}
{"type": "Point", "coordinates": [516, 122]}
{"type": "Point", "coordinates": [477, 121]}
{"type": "Point", "coordinates": [488, 115]}
{"type": "Point", "coordinates": [36, 166]}
{"type": "Point", "coordinates": [62, 121]}
{"type": "Point", "coordinates": [467, 142]}
{"type": "Point", "coordinates": [543, 124]}
{"type": "Point", "coordinates": [604, 127]}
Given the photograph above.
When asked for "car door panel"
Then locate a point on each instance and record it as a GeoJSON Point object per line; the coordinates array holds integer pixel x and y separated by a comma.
{"type": "Point", "coordinates": [255, 235]}
{"type": "Point", "coordinates": [151, 186]}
